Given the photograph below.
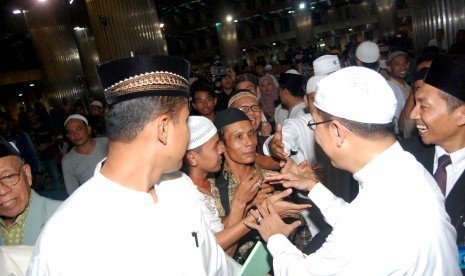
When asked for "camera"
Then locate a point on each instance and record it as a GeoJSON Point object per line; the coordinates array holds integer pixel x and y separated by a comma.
{"type": "Point", "coordinates": [220, 70]}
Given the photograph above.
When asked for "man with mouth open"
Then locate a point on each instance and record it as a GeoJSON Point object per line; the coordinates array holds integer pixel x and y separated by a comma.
{"type": "Point", "coordinates": [439, 114]}
{"type": "Point", "coordinates": [23, 213]}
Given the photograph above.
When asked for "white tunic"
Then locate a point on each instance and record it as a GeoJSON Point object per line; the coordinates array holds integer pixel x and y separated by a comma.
{"type": "Point", "coordinates": [397, 225]}
{"type": "Point", "coordinates": [107, 229]}
{"type": "Point", "coordinates": [298, 138]}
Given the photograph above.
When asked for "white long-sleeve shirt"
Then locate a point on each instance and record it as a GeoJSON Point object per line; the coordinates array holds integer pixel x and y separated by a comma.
{"type": "Point", "coordinates": [107, 229]}
{"type": "Point", "coordinates": [397, 225]}
{"type": "Point", "coordinates": [297, 137]}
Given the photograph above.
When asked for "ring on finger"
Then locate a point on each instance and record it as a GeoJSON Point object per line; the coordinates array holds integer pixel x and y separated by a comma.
{"type": "Point", "coordinates": [259, 219]}
{"type": "Point", "coordinates": [259, 184]}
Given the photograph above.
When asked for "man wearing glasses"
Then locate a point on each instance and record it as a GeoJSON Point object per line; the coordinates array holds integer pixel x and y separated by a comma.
{"type": "Point", "coordinates": [23, 213]}
{"type": "Point", "coordinates": [397, 224]}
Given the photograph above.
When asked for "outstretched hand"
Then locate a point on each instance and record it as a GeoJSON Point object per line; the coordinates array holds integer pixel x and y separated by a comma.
{"type": "Point", "coordinates": [270, 223]}
{"type": "Point", "coordinates": [276, 145]}
{"type": "Point", "coordinates": [285, 208]}
{"type": "Point", "coordinates": [291, 180]}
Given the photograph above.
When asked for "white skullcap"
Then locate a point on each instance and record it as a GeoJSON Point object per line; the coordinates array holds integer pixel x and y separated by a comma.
{"type": "Point", "coordinates": [313, 82]}
{"type": "Point", "coordinates": [358, 94]}
{"type": "Point", "coordinates": [78, 117]}
{"type": "Point", "coordinates": [326, 64]}
{"type": "Point", "coordinates": [268, 67]}
{"type": "Point", "coordinates": [367, 52]}
{"type": "Point", "coordinates": [97, 103]}
{"type": "Point", "coordinates": [202, 130]}
{"type": "Point", "coordinates": [292, 71]}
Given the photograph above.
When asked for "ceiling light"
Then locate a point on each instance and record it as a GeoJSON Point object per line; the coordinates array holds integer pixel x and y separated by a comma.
{"type": "Point", "coordinates": [16, 12]}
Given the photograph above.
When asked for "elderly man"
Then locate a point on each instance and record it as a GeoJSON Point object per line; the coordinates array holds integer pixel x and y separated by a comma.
{"type": "Point", "coordinates": [439, 116]}
{"type": "Point", "coordinates": [23, 213]}
{"type": "Point", "coordinates": [79, 163]}
{"type": "Point", "coordinates": [130, 218]}
{"type": "Point", "coordinates": [397, 224]}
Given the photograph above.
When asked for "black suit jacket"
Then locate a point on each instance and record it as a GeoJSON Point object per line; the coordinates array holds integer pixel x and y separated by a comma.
{"type": "Point", "coordinates": [455, 200]}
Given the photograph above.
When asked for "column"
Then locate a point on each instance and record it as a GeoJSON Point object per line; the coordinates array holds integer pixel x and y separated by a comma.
{"type": "Point", "coordinates": [387, 18]}
{"type": "Point", "coordinates": [304, 27]}
{"type": "Point", "coordinates": [123, 28]}
{"type": "Point", "coordinates": [50, 28]}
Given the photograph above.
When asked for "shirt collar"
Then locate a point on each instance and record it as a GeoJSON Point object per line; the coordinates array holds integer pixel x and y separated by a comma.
{"type": "Point", "coordinates": [373, 169]}
{"type": "Point", "coordinates": [457, 158]}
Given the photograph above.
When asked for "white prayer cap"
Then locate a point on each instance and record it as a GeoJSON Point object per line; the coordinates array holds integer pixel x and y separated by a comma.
{"type": "Point", "coordinates": [78, 117]}
{"type": "Point", "coordinates": [96, 103]}
{"type": "Point", "coordinates": [202, 130]}
{"type": "Point", "coordinates": [367, 52]}
{"type": "Point", "coordinates": [292, 71]}
{"type": "Point", "coordinates": [326, 64]}
{"type": "Point", "coordinates": [313, 82]}
{"type": "Point", "coordinates": [358, 94]}
{"type": "Point", "coordinates": [268, 67]}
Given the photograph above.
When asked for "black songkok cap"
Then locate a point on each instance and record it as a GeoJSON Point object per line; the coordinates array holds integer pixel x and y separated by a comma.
{"type": "Point", "coordinates": [292, 82]}
{"type": "Point", "coordinates": [447, 75]}
{"type": "Point", "coordinates": [7, 149]}
{"type": "Point", "coordinates": [229, 116]}
{"type": "Point", "coordinates": [420, 75]}
{"type": "Point", "coordinates": [142, 76]}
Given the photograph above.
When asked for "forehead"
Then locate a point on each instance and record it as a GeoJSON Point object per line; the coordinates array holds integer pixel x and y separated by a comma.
{"type": "Point", "coordinates": [74, 123]}
{"type": "Point", "coordinates": [237, 127]}
{"type": "Point", "coordinates": [245, 101]}
{"type": "Point", "coordinates": [201, 94]}
{"type": "Point", "coordinates": [399, 58]}
{"type": "Point", "coordinates": [244, 84]}
{"type": "Point", "coordinates": [427, 92]}
{"type": "Point", "coordinates": [9, 162]}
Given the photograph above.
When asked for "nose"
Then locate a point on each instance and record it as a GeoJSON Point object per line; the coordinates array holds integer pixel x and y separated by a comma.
{"type": "Point", "coordinates": [4, 190]}
{"type": "Point", "coordinates": [415, 114]}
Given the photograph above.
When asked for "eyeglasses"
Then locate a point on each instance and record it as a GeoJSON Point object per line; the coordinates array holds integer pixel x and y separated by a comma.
{"type": "Point", "coordinates": [312, 124]}
{"type": "Point", "coordinates": [12, 179]}
{"type": "Point", "coordinates": [254, 108]}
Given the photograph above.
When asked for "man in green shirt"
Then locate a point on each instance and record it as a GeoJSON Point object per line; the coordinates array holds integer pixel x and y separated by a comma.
{"type": "Point", "coordinates": [23, 213]}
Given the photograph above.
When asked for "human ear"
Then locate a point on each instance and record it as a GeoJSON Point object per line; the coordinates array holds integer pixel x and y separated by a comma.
{"type": "Point", "coordinates": [162, 126]}
{"type": "Point", "coordinates": [461, 115]}
{"type": "Point", "coordinates": [191, 160]}
{"type": "Point", "coordinates": [340, 132]}
{"type": "Point", "coordinates": [27, 172]}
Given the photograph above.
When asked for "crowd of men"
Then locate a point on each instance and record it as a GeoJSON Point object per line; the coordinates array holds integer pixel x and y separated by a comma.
{"type": "Point", "coordinates": [181, 178]}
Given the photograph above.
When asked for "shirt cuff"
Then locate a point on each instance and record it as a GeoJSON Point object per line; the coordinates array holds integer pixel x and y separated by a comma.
{"type": "Point", "coordinates": [279, 244]}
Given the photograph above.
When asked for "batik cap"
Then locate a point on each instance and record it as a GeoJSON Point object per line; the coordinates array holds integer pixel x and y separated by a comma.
{"type": "Point", "coordinates": [448, 75]}
{"type": "Point", "coordinates": [202, 130]}
{"type": "Point", "coordinates": [142, 76]}
{"type": "Point", "coordinates": [357, 94]}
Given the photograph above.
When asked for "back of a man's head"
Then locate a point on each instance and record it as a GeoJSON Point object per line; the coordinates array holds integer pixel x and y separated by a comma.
{"type": "Point", "coordinates": [360, 99]}
{"type": "Point", "coordinates": [139, 89]}
{"type": "Point", "coordinates": [368, 54]}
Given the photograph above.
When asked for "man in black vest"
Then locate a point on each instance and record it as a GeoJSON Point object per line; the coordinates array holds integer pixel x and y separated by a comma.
{"type": "Point", "coordinates": [439, 114]}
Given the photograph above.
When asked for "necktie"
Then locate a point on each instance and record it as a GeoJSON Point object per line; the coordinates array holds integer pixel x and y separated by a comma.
{"type": "Point", "coordinates": [441, 175]}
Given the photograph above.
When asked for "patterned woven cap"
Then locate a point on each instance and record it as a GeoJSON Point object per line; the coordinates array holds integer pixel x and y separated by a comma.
{"type": "Point", "coordinates": [144, 76]}
{"type": "Point", "coordinates": [202, 130]}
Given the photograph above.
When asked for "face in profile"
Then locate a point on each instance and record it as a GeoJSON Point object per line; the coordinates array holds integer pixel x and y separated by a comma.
{"type": "Point", "coordinates": [209, 157]}
{"type": "Point", "coordinates": [436, 124]}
